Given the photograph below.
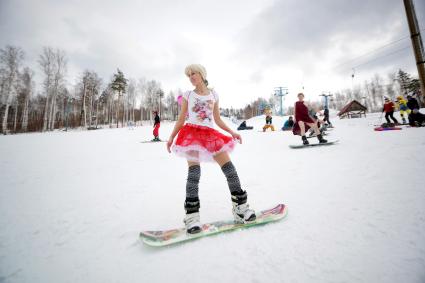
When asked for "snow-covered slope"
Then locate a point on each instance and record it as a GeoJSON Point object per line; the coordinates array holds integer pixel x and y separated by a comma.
{"type": "Point", "coordinates": [72, 205]}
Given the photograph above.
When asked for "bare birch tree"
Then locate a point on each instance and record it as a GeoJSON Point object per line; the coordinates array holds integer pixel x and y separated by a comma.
{"type": "Point", "coordinates": [58, 81]}
{"type": "Point", "coordinates": [28, 86]}
{"type": "Point", "coordinates": [46, 62]}
{"type": "Point", "coordinates": [10, 61]}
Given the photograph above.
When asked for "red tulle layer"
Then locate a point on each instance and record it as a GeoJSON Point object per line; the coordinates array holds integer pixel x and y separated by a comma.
{"type": "Point", "coordinates": [199, 143]}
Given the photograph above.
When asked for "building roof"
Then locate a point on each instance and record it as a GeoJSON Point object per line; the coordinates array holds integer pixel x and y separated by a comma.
{"type": "Point", "coordinates": [352, 106]}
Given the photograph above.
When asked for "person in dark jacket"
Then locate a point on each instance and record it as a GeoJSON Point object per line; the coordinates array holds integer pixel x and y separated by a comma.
{"type": "Point", "coordinates": [156, 125]}
{"type": "Point", "coordinates": [326, 119]}
{"type": "Point", "coordinates": [416, 118]}
{"type": "Point", "coordinates": [389, 110]}
{"type": "Point", "coordinates": [289, 124]}
{"type": "Point", "coordinates": [243, 126]}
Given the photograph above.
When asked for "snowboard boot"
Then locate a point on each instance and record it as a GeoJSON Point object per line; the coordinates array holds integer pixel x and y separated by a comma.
{"type": "Point", "coordinates": [321, 139]}
{"type": "Point", "coordinates": [241, 211]}
{"type": "Point", "coordinates": [305, 141]}
{"type": "Point", "coordinates": [404, 120]}
{"type": "Point", "coordinates": [192, 218]}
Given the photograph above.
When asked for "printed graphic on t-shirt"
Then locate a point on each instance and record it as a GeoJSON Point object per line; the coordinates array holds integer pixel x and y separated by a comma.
{"type": "Point", "coordinates": [203, 109]}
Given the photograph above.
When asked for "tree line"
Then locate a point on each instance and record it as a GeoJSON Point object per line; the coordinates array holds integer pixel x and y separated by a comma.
{"type": "Point", "coordinates": [90, 103]}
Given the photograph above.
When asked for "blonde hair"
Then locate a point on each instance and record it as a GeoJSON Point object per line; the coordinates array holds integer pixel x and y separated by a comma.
{"type": "Point", "coordinates": [197, 68]}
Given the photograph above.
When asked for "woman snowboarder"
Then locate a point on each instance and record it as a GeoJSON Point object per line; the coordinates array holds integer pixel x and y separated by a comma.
{"type": "Point", "coordinates": [198, 141]}
{"type": "Point", "coordinates": [303, 121]}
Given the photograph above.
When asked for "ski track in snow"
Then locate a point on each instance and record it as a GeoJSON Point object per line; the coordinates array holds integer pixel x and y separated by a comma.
{"type": "Point", "coordinates": [72, 205]}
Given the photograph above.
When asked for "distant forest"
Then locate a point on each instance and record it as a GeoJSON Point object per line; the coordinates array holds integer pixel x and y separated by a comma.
{"type": "Point", "coordinates": [94, 102]}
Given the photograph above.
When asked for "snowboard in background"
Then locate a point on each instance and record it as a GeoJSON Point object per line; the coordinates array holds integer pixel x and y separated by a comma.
{"type": "Point", "coordinates": [152, 141]}
{"type": "Point", "coordinates": [379, 129]}
{"type": "Point", "coordinates": [167, 237]}
{"type": "Point", "coordinates": [312, 144]}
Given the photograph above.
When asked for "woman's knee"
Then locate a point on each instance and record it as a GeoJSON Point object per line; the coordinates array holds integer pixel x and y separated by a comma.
{"type": "Point", "coordinates": [222, 158]}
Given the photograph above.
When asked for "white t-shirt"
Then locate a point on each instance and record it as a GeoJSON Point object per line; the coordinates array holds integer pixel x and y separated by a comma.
{"type": "Point", "coordinates": [200, 108]}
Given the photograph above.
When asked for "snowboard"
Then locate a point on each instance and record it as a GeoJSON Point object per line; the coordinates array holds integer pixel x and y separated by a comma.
{"type": "Point", "coordinates": [312, 144]}
{"type": "Point", "coordinates": [168, 237]}
{"type": "Point", "coordinates": [315, 136]}
{"type": "Point", "coordinates": [379, 129]}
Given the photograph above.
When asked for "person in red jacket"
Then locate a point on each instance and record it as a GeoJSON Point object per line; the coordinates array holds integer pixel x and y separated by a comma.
{"type": "Point", "coordinates": [156, 126]}
{"type": "Point", "coordinates": [303, 121]}
{"type": "Point", "coordinates": [389, 110]}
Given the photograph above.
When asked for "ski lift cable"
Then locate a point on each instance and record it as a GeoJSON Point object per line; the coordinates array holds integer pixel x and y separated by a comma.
{"type": "Point", "coordinates": [372, 51]}
{"type": "Point", "coordinates": [386, 55]}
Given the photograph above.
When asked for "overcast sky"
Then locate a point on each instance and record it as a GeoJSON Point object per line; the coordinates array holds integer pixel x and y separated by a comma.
{"type": "Point", "coordinates": [248, 47]}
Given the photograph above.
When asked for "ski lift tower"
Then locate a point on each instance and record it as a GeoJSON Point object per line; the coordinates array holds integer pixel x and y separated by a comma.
{"type": "Point", "coordinates": [326, 99]}
{"type": "Point", "coordinates": [281, 92]}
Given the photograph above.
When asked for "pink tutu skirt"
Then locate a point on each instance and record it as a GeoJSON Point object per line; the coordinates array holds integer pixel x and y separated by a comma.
{"type": "Point", "coordinates": [198, 143]}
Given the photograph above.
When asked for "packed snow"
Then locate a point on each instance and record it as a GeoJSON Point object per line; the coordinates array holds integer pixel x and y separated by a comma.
{"type": "Point", "coordinates": [72, 205]}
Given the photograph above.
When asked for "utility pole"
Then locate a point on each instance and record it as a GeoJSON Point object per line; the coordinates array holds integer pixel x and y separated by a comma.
{"type": "Point", "coordinates": [417, 44]}
{"type": "Point", "coordinates": [326, 99]}
{"type": "Point", "coordinates": [281, 92]}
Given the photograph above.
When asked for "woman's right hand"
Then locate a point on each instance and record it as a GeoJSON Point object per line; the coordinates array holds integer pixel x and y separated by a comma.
{"type": "Point", "coordinates": [169, 144]}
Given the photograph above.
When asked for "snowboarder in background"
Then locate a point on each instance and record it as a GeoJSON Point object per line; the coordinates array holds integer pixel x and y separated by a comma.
{"type": "Point", "coordinates": [402, 105]}
{"type": "Point", "coordinates": [269, 123]}
{"type": "Point", "coordinates": [156, 125]}
{"type": "Point", "coordinates": [416, 118]}
{"type": "Point", "coordinates": [198, 141]}
{"type": "Point", "coordinates": [326, 118]}
{"type": "Point", "coordinates": [303, 121]}
{"type": "Point", "coordinates": [389, 111]}
{"type": "Point", "coordinates": [289, 124]}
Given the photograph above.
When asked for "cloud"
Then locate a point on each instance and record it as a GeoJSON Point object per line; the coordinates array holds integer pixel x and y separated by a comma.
{"type": "Point", "coordinates": [248, 47]}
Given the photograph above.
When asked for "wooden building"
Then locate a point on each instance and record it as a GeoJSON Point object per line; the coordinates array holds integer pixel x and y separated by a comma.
{"type": "Point", "coordinates": [352, 110]}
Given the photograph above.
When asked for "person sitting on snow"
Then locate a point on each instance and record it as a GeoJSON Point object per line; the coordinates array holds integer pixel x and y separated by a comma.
{"type": "Point", "coordinates": [269, 123]}
{"type": "Point", "coordinates": [416, 118]}
{"type": "Point", "coordinates": [287, 126]}
{"type": "Point", "coordinates": [243, 126]}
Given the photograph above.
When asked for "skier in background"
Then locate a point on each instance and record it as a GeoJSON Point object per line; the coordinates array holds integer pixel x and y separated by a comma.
{"type": "Point", "coordinates": [156, 125]}
{"type": "Point", "coordinates": [326, 119]}
{"type": "Point", "coordinates": [389, 110]}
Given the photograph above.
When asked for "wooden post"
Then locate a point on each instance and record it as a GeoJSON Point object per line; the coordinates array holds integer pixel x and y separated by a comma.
{"type": "Point", "coordinates": [418, 48]}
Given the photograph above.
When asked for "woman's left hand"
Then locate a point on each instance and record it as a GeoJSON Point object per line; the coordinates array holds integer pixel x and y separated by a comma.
{"type": "Point", "coordinates": [236, 136]}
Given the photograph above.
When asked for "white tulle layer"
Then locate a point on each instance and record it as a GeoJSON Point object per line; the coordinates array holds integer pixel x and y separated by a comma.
{"type": "Point", "coordinates": [197, 153]}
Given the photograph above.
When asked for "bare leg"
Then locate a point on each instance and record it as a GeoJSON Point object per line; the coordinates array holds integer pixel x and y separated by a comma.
{"type": "Point", "coordinates": [302, 127]}
{"type": "Point", "coordinates": [222, 158]}
{"type": "Point", "coordinates": [314, 127]}
{"type": "Point", "coordinates": [192, 163]}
